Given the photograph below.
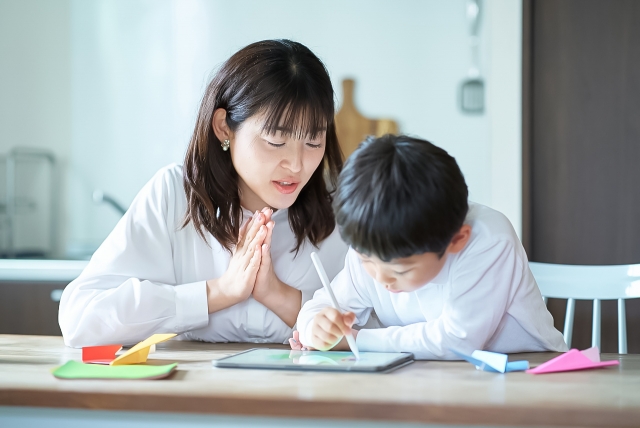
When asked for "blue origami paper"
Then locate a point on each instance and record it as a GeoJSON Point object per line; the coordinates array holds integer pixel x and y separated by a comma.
{"type": "Point", "coordinates": [493, 362]}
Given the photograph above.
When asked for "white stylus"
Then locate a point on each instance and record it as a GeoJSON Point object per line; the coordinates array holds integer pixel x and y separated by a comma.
{"type": "Point", "coordinates": [327, 285]}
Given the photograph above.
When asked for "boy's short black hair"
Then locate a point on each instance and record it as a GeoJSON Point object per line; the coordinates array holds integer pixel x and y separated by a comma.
{"type": "Point", "coordinates": [399, 196]}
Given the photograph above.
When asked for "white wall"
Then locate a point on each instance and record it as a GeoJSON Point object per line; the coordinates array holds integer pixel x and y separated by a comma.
{"type": "Point", "coordinates": [138, 69]}
{"type": "Point", "coordinates": [504, 23]}
{"type": "Point", "coordinates": [35, 107]}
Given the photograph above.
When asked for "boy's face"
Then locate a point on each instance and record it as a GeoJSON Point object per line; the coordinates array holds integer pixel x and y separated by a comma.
{"type": "Point", "coordinates": [411, 273]}
{"type": "Point", "coordinates": [406, 274]}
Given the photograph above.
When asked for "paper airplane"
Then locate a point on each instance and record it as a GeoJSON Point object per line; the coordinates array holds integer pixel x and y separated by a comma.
{"type": "Point", "coordinates": [140, 352]}
{"type": "Point", "coordinates": [574, 360]}
{"type": "Point", "coordinates": [100, 354]}
{"type": "Point", "coordinates": [493, 362]}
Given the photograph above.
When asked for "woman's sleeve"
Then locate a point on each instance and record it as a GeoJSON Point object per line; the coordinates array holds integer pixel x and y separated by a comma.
{"type": "Point", "coordinates": [128, 290]}
{"type": "Point", "coordinates": [350, 289]}
{"type": "Point", "coordinates": [480, 294]}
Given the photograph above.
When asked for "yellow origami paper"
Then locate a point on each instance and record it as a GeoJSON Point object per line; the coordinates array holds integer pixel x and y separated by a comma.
{"type": "Point", "coordinates": [140, 352]}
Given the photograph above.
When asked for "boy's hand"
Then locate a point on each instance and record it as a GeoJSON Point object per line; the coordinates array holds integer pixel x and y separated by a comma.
{"type": "Point", "coordinates": [296, 345]}
{"type": "Point", "coordinates": [329, 327]}
{"type": "Point", "coordinates": [294, 342]}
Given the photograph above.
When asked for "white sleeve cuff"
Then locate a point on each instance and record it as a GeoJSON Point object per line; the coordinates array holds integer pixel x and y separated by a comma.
{"type": "Point", "coordinates": [374, 340]}
{"type": "Point", "coordinates": [305, 334]}
{"type": "Point", "coordinates": [192, 309]}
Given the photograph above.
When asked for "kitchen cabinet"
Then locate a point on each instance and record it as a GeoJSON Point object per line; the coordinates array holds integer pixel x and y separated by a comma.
{"type": "Point", "coordinates": [30, 307]}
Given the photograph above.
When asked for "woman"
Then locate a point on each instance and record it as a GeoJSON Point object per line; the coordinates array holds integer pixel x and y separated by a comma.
{"type": "Point", "coordinates": [218, 250]}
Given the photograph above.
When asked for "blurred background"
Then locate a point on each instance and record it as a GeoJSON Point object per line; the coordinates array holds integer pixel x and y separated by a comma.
{"type": "Point", "coordinates": [96, 96]}
{"type": "Point", "coordinates": [538, 100]}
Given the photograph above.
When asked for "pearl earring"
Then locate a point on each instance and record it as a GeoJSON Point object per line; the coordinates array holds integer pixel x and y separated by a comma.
{"type": "Point", "coordinates": [225, 145]}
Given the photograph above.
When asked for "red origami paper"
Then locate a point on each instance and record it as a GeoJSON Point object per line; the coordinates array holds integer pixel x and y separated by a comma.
{"type": "Point", "coordinates": [100, 354]}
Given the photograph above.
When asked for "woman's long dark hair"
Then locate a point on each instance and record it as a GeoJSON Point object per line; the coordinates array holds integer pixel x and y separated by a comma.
{"type": "Point", "coordinates": [289, 85]}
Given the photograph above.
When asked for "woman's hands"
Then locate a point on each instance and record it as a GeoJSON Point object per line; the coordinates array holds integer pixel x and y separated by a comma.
{"type": "Point", "coordinates": [251, 272]}
{"type": "Point", "coordinates": [266, 280]}
{"type": "Point", "coordinates": [283, 300]}
{"type": "Point", "coordinates": [238, 282]}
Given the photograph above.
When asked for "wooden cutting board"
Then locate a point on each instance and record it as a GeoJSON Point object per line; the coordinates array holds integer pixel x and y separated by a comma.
{"type": "Point", "coordinates": [352, 127]}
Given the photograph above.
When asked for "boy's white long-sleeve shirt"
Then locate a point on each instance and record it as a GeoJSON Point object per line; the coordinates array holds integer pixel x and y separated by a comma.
{"type": "Point", "coordinates": [149, 276]}
{"type": "Point", "coordinates": [485, 297]}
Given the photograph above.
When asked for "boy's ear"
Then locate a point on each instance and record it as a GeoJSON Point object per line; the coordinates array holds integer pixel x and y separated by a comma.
{"type": "Point", "coordinates": [460, 239]}
{"type": "Point", "coordinates": [219, 125]}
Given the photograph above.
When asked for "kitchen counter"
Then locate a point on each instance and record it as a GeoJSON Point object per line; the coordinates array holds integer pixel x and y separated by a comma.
{"type": "Point", "coordinates": [41, 270]}
{"type": "Point", "coordinates": [426, 392]}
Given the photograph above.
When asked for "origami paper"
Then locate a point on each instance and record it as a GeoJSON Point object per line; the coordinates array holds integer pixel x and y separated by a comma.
{"type": "Point", "coordinates": [100, 354]}
{"type": "Point", "coordinates": [140, 352]}
{"type": "Point", "coordinates": [573, 360]}
{"type": "Point", "coordinates": [77, 370]}
{"type": "Point", "coordinates": [493, 362]}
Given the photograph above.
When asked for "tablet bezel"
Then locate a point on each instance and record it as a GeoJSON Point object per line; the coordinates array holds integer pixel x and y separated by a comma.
{"type": "Point", "coordinates": [402, 360]}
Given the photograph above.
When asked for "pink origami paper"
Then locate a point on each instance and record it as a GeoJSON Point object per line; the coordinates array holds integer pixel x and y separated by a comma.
{"type": "Point", "coordinates": [573, 360]}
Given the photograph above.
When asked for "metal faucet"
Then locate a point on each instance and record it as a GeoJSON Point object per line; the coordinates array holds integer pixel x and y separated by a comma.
{"type": "Point", "coordinates": [99, 197]}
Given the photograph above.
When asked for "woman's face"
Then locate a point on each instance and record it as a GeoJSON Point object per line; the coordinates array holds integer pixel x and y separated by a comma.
{"type": "Point", "coordinates": [272, 169]}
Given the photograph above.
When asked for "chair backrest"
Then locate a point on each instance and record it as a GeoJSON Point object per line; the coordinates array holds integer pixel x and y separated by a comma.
{"type": "Point", "coordinates": [597, 283]}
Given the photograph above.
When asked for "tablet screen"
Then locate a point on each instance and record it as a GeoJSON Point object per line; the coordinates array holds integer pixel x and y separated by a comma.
{"type": "Point", "coordinates": [314, 360]}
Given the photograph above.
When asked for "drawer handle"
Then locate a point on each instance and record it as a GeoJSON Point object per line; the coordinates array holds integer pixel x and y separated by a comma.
{"type": "Point", "coordinates": [56, 295]}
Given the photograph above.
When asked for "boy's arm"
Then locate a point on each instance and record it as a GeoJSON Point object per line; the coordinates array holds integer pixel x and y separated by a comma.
{"type": "Point", "coordinates": [480, 294]}
{"type": "Point", "coordinates": [350, 289]}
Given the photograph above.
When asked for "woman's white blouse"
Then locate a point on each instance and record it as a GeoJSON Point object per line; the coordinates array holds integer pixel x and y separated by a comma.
{"type": "Point", "coordinates": [149, 276]}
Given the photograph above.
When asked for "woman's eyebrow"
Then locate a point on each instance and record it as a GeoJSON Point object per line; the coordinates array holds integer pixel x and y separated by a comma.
{"type": "Point", "coordinates": [289, 130]}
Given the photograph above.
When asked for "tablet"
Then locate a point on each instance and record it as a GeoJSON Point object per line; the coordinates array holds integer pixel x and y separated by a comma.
{"type": "Point", "coordinates": [315, 360]}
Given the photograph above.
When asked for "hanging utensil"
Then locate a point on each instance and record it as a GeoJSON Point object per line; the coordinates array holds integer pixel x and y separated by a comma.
{"type": "Point", "coordinates": [472, 88]}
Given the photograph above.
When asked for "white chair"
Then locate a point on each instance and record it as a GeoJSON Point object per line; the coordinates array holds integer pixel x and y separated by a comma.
{"type": "Point", "coordinates": [597, 283]}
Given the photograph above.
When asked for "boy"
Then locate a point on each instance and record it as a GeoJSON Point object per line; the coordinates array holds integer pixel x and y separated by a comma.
{"type": "Point", "coordinates": [441, 274]}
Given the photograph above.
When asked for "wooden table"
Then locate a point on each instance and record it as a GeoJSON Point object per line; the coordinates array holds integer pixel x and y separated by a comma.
{"type": "Point", "coordinates": [424, 392]}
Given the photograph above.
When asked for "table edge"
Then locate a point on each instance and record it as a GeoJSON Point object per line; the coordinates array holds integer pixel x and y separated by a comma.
{"type": "Point", "coordinates": [280, 407]}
